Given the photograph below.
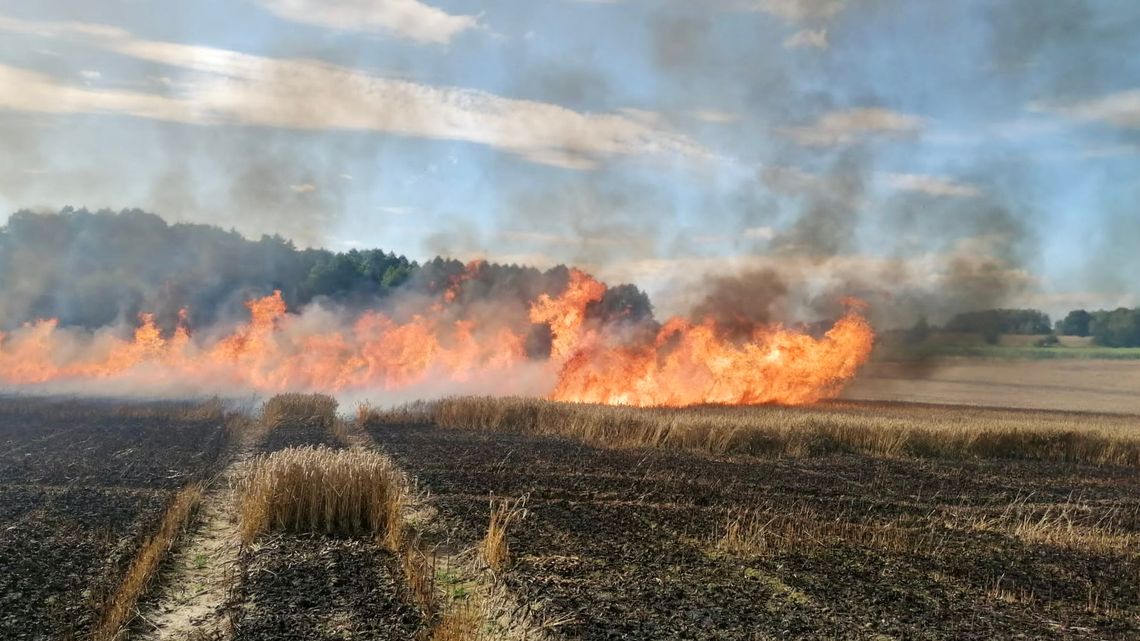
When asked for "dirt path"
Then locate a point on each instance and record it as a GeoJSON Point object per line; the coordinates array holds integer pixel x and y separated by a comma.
{"type": "Point", "coordinates": [193, 590]}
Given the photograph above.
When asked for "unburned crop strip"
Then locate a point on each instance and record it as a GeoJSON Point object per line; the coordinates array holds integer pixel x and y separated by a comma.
{"type": "Point", "coordinates": [320, 490]}
{"type": "Point", "coordinates": [300, 409]}
{"type": "Point", "coordinates": [878, 429]}
{"type": "Point", "coordinates": [120, 607]}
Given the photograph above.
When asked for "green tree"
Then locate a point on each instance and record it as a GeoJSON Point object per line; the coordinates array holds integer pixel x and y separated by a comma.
{"type": "Point", "coordinates": [1076, 323]}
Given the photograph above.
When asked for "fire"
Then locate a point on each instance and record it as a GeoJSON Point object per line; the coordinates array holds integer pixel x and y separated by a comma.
{"type": "Point", "coordinates": [276, 350]}
{"type": "Point", "coordinates": [689, 364]}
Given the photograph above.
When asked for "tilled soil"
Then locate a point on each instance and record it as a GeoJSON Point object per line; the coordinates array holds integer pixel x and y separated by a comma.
{"type": "Point", "coordinates": [81, 487]}
{"type": "Point", "coordinates": [64, 553]}
{"type": "Point", "coordinates": [92, 444]}
{"type": "Point", "coordinates": [315, 588]}
{"type": "Point", "coordinates": [622, 543]}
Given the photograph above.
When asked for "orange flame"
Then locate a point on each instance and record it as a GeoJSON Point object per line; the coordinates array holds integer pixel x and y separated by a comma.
{"type": "Point", "coordinates": [687, 363]}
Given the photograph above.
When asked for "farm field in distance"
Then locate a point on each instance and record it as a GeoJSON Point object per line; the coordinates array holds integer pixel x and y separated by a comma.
{"type": "Point", "coordinates": [1090, 385]}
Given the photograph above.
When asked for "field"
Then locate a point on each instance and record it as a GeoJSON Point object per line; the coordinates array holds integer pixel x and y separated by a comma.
{"type": "Point", "coordinates": [1062, 384]}
{"type": "Point", "coordinates": [478, 519]}
{"type": "Point", "coordinates": [648, 545]}
{"type": "Point", "coordinates": [83, 485]}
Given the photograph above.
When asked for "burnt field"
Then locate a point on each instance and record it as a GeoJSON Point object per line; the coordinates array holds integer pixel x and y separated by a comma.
{"type": "Point", "coordinates": [82, 485]}
{"type": "Point", "coordinates": [484, 519]}
{"type": "Point", "coordinates": [648, 544]}
{"type": "Point", "coordinates": [313, 587]}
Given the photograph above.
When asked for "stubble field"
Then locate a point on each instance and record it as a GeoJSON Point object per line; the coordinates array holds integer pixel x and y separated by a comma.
{"type": "Point", "coordinates": [516, 518]}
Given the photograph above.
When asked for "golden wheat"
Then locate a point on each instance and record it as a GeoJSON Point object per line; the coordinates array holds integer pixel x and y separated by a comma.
{"type": "Point", "coordinates": [320, 490]}
{"type": "Point", "coordinates": [299, 409]}
{"type": "Point", "coordinates": [880, 429]}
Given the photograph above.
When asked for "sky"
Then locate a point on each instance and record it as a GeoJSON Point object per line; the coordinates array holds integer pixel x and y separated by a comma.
{"type": "Point", "coordinates": [928, 156]}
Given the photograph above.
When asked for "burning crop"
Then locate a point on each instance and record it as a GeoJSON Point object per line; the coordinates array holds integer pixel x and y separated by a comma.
{"type": "Point", "coordinates": [443, 341]}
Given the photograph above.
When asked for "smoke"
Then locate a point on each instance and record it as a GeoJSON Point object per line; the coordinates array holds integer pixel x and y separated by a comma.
{"type": "Point", "coordinates": [739, 303]}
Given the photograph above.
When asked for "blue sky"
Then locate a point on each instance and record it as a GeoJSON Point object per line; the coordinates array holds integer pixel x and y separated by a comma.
{"type": "Point", "coordinates": [954, 154]}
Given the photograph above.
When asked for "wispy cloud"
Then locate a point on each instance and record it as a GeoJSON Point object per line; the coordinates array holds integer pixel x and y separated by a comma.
{"type": "Point", "coordinates": [840, 128]}
{"type": "Point", "coordinates": [759, 233]}
{"type": "Point", "coordinates": [716, 117]}
{"type": "Point", "coordinates": [409, 19]}
{"type": "Point", "coordinates": [1111, 151]}
{"type": "Point", "coordinates": [1120, 109]}
{"type": "Point", "coordinates": [794, 10]}
{"type": "Point", "coordinates": [234, 88]}
{"type": "Point", "coordinates": [931, 185]}
{"type": "Point", "coordinates": [807, 39]}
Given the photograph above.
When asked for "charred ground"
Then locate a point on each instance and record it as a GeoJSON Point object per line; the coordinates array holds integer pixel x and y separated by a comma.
{"type": "Point", "coordinates": [643, 544]}
{"type": "Point", "coordinates": [82, 485]}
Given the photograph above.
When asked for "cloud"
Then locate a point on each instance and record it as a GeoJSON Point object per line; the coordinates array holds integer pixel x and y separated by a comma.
{"type": "Point", "coordinates": [409, 19]}
{"type": "Point", "coordinates": [793, 180]}
{"type": "Point", "coordinates": [304, 188]}
{"type": "Point", "coordinates": [840, 128]}
{"type": "Point", "coordinates": [931, 185]}
{"type": "Point", "coordinates": [715, 117]}
{"type": "Point", "coordinates": [760, 233]}
{"type": "Point", "coordinates": [794, 10]}
{"type": "Point", "coordinates": [806, 39]}
{"type": "Point", "coordinates": [1111, 151]}
{"type": "Point", "coordinates": [232, 88]}
{"type": "Point", "coordinates": [1120, 109]}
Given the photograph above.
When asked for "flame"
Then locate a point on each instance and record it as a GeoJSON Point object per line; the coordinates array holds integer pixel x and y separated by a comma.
{"type": "Point", "coordinates": [685, 363]}
{"type": "Point", "coordinates": [566, 314]}
{"type": "Point", "coordinates": [689, 364]}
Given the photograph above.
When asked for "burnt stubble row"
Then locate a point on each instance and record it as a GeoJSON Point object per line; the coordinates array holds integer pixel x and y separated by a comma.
{"type": "Point", "coordinates": [625, 543]}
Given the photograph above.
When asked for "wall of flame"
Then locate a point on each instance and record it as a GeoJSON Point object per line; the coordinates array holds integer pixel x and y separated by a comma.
{"type": "Point", "coordinates": [685, 363]}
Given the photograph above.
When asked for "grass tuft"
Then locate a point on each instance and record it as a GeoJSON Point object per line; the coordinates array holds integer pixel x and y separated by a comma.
{"type": "Point", "coordinates": [494, 549]}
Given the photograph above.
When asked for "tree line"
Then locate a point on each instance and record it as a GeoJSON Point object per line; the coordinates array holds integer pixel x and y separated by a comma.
{"type": "Point", "coordinates": [93, 269]}
{"type": "Point", "coordinates": [1108, 328]}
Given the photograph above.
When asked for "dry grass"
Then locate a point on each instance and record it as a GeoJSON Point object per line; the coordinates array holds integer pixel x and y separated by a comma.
{"type": "Point", "coordinates": [494, 549]}
{"type": "Point", "coordinates": [321, 490]}
{"type": "Point", "coordinates": [418, 566]}
{"type": "Point", "coordinates": [120, 607]}
{"type": "Point", "coordinates": [769, 531]}
{"type": "Point", "coordinates": [879, 429]}
{"type": "Point", "coordinates": [461, 624]}
{"type": "Point", "coordinates": [1073, 524]}
{"type": "Point", "coordinates": [299, 409]}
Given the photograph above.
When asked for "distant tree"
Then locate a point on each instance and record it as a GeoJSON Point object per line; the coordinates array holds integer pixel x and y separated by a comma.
{"type": "Point", "coordinates": [1075, 324]}
{"type": "Point", "coordinates": [624, 303]}
{"type": "Point", "coordinates": [992, 323]}
{"type": "Point", "coordinates": [918, 334]}
{"type": "Point", "coordinates": [1117, 328]}
{"type": "Point", "coordinates": [92, 269]}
